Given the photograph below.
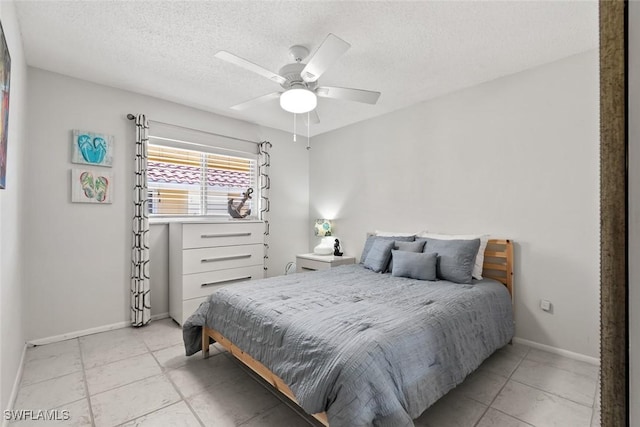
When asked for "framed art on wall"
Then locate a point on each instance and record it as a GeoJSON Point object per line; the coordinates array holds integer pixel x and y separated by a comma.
{"type": "Point", "coordinates": [88, 186]}
{"type": "Point", "coordinates": [5, 80]}
{"type": "Point", "coordinates": [90, 148]}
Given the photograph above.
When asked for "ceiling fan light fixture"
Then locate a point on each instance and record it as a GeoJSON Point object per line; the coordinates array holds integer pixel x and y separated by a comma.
{"type": "Point", "coordinates": [298, 100]}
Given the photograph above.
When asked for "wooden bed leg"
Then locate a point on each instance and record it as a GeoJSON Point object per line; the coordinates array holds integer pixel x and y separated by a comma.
{"type": "Point", "coordinates": [205, 343]}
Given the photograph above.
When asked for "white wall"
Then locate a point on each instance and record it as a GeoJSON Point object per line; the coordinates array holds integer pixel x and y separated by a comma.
{"type": "Point", "coordinates": [516, 157]}
{"type": "Point", "coordinates": [83, 250]}
{"type": "Point", "coordinates": [12, 289]}
{"type": "Point", "coordinates": [634, 211]}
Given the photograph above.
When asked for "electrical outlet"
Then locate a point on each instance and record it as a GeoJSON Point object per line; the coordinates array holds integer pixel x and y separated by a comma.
{"type": "Point", "coordinates": [545, 305]}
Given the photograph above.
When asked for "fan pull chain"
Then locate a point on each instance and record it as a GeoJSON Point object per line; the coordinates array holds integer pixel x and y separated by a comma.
{"type": "Point", "coordinates": [294, 127]}
{"type": "Point", "coordinates": [308, 137]}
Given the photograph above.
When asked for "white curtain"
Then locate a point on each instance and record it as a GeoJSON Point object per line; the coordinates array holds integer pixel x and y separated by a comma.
{"type": "Point", "coordinates": [140, 298]}
{"type": "Point", "coordinates": [265, 185]}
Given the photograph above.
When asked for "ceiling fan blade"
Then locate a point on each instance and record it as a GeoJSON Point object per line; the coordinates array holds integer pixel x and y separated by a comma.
{"type": "Point", "coordinates": [256, 101]}
{"type": "Point", "coordinates": [314, 119]}
{"type": "Point", "coordinates": [329, 51]}
{"type": "Point", "coordinates": [358, 95]}
{"type": "Point", "coordinates": [248, 65]}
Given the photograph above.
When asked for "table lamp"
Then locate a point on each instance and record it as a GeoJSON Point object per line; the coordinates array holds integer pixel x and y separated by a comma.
{"type": "Point", "coordinates": [322, 228]}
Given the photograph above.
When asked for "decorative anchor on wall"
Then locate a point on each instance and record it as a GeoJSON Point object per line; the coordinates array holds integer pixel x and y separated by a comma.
{"type": "Point", "coordinates": [234, 210]}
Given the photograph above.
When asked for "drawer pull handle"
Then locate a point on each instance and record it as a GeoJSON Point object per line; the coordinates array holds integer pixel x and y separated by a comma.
{"type": "Point", "coordinates": [225, 258]}
{"type": "Point", "coordinates": [237, 279]}
{"type": "Point", "coordinates": [210, 236]}
{"type": "Point", "coordinates": [308, 269]}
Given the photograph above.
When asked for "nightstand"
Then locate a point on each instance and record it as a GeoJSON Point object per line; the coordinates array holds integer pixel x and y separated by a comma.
{"type": "Point", "coordinates": [311, 262]}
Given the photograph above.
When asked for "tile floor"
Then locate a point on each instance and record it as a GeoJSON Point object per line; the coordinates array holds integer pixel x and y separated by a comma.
{"type": "Point", "coordinates": [140, 377]}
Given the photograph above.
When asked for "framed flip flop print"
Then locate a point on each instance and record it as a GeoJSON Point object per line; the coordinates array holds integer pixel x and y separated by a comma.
{"type": "Point", "coordinates": [91, 186]}
{"type": "Point", "coordinates": [91, 148]}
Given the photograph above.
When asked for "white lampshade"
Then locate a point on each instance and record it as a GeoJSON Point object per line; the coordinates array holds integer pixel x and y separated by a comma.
{"type": "Point", "coordinates": [322, 227]}
{"type": "Point", "coordinates": [298, 100]}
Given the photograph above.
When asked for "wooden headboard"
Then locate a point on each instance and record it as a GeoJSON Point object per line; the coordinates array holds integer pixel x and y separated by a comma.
{"type": "Point", "coordinates": [498, 262]}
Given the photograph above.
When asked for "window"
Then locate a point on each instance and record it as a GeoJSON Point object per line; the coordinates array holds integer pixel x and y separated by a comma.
{"type": "Point", "coordinates": [184, 182]}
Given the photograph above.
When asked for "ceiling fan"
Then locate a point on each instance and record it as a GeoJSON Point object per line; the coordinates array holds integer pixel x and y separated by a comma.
{"type": "Point", "coordinates": [300, 80]}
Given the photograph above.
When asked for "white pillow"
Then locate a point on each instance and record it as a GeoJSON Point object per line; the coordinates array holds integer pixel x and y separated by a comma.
{"type": "Point", "coordinates": [484, 238]}
{"type": "Point", "coordinates": [393, 234]}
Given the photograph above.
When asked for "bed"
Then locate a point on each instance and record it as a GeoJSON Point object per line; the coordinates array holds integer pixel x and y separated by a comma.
{"type": "Point", "coordinates": [358, 348]}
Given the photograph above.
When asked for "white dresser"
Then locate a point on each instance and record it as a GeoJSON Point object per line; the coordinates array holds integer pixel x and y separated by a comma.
{"type": "Point", "coordinates": [203, 256]}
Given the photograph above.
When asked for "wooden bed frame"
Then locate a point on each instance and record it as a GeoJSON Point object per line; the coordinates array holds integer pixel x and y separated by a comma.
{"type": "Point", "coordinates": [498, 265]}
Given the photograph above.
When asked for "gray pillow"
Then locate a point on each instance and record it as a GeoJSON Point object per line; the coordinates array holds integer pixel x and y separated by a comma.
{"type": "Point", "coordinates": [421, 266]}
{"type": "Point", "coordinates": [369, 242]}
{"type": "Point", "coordinates": [417, 246]}
{"type": "Point", "coordinates": [456, 258]}
{"type": "Point", "coordinates": [379, 255]}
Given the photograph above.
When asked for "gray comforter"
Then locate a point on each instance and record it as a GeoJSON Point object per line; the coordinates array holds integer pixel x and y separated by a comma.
{"type": "Point", "coordinates": [367, 348]}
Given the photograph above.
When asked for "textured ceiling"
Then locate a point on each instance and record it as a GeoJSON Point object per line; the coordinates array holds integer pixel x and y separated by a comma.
{"type": "Point", "coordinates": [409, 51]}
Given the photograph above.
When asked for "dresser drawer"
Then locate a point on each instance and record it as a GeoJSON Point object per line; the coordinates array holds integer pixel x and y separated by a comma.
{"type": "Point", "coordinates": [209, 259]}
{"type": "Point", "coordinates": [222, 234]}
{"type": "Point", "coordinates": [202, 284]}
{"type": "Point", "coordinates": [311, 265]}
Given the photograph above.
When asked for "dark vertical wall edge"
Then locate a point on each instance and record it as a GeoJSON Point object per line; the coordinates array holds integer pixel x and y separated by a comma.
{"type": "Point", "coordinates": [613, 215]}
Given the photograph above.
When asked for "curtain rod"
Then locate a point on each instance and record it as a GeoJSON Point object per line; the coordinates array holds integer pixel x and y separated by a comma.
{"type": "Point", "coordinates": [132, 117]}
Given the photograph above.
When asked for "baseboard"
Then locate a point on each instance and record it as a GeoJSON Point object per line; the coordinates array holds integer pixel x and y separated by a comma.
{"type": "Point", "coordinates": [90, 331]}
{"type": "Point", "coordinates": [160, 316]}
{"type": "Point", "coordinates": [555, 350]}
{"type": "Point", "coordinates": [81, 333]}
{"type": "Point", "coordinates": [16, 385]}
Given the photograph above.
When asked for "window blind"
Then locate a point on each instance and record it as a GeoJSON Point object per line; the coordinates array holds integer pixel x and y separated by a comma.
{"type": "Point", "coordinates": [181, 137]}
{"type": "Point", "coordinates": [190, 182]}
